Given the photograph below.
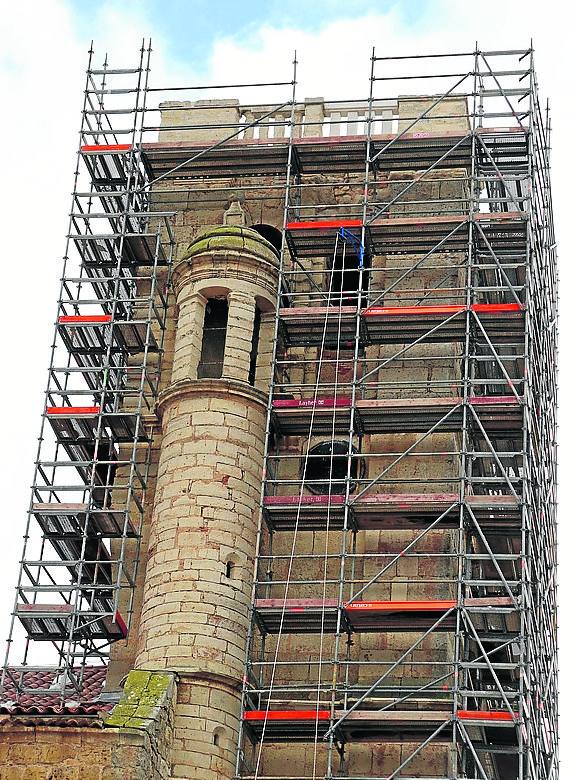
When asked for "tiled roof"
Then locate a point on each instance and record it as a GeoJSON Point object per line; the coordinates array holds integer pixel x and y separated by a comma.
{"type": "Point", "coordinates": [86, 703]}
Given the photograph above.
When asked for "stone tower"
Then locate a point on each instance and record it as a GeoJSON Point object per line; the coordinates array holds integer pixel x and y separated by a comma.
{"type": "Point", "coordinates": [199, 570]}
{"type": "Point", "coordinates": [321, 421]}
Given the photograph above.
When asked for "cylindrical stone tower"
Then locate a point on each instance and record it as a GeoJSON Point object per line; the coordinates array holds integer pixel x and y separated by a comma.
{"type": "Point", "coordinates": [203, 535]}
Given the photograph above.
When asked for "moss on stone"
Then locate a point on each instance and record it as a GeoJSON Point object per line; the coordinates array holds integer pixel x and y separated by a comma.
{"type": "Point", "coordinates": [159, 683]}
{"type": "Point", "coordinates": [136, 683]}
{"type": "Point", "coordinates": [231, 238]}
{"type": "Point", "coordinates": [120, 715]}
{"type": "Point", "coordinates": [138, 723]}
{"type": "Point", "coordinates": [144, 693]}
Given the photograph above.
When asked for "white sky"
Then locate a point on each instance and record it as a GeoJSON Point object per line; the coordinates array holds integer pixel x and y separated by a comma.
{"type": "Point", "coordinates": [42, 64]}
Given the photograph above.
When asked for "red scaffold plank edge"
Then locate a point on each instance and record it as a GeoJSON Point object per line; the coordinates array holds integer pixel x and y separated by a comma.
{"type": "Point", "coordinates": [488, 715]}
{"type": "Point", "coordinates": [379, 311]}
{"type": "Point", "coordinates": [399, 606]}
{"type": "Point", "coordinates": [328, 224]}
{"type": "Point", "coordinates": [106, 148]}
{"type": "Point", "coordinates": [296, 605]}
{"type": "Point", "coordinates": [477, 400]}
{"type": "Point", "coordinates": [311, 403]}
{"type": "Point", "coordinates": [407, 500]}
{"type": "Point", "coordinates": [293, 715]}
{"type": "Point", "coordinates": [73, 411]}
{"type": "Point", "coordinates": [118, 619]}
{"type": "Point", "coordinates": [496, 307]}
{"type": "Point", "coordinates": [479, 308]}
{"type": "Point", "coordinates": [303, 500]}
{"type": "Point", "coordinates": [46, 609]}
{"type": "Point", "coordinates": [84, 319]}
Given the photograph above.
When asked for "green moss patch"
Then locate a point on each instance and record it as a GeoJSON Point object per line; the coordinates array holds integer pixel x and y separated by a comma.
{"type": "Point", "coordinates": [231, 238]}
{"type": "Point", "coordinates": [143, 696]}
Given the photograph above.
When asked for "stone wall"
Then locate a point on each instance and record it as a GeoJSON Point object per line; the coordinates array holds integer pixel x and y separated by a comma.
{"type": "Point", "coordinates": [133, 743]}
{"type": "Point", "coordinates": [46, 752]}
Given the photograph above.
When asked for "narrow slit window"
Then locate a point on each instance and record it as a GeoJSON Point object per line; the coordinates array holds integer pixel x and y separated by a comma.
{"type": "Point", "coordinates": [218, 736]}
{"type": "Point", "coordinates": [213, 345]}
{"type": "Point", "coordinates": [254, 346]}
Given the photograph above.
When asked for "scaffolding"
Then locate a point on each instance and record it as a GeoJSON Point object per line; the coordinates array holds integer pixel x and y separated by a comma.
{"type": "Point", "coordinates": [404, 593]}
{"type": "Point", "coordinates": [77, 577]}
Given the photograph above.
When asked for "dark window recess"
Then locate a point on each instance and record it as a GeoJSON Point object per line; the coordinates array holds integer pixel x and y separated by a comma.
{"type": "Point", "coordinates": [271, 234]}
{"type": "Point", "coordinates": [327, 468]}
{"type": "Point", "coordinates": [344, 285]}
{"type": "Point", "coordinates": [285, 295]}
{"type": "Point", "coordinates": [213, 345]}
{"type": "Point", "coordinates": [254, 346]}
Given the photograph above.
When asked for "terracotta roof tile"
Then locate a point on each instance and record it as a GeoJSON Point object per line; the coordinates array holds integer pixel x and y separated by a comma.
{"type": "Point", "coordinates": [86, 703]}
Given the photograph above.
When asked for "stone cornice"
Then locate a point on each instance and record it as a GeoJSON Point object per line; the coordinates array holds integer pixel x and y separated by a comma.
{"type": "Point", "coordinates": [210, 388]}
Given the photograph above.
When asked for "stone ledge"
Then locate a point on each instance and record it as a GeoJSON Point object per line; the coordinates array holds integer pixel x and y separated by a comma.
{"type": "Point", "coordinates": [210, 388]}
{"type": "Point", "coordinates": [224, 680]}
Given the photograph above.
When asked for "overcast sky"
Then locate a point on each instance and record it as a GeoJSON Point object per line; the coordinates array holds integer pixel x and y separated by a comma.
{"type": "Point", "coordinates": [43, 52]}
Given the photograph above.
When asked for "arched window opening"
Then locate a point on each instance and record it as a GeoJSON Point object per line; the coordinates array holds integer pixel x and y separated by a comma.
{"type": "Point", "coordinates": [285, 295]}
{"type": "Point", "coordinates": [104, 471]}
{"type": "Point", "coordinates": [273, 235]}
{"type": "Point", "coordinates": [229, 569]}
{"type": "Point", "coordinates": [213, 344]}
{"type": "Point", "coordinates": [326, 469]}
{"type": "Point", "coordinates": [269, 233]}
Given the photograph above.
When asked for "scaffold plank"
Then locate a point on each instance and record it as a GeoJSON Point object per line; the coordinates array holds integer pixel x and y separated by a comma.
{"type": "Point", "coordinates": [105, 148]}
{"type": "Point", "coordinates": [393, 511]}
{"type": "Point", "coordinates": [417, 150]}
{"type": "Point", "coordinates": [354, 726]}
{"type": "Point", "coordinates": [332, 326]}
{"type": "Point", "coordinates": [61, 520]}
{"type": "Point", "coordinates": [306, 512]}
{"type": "Point", "coordinates": [57, 622]}
{"type": "Point", "coordinates": [498, 414]}
{"type": "Point", "coordinates": [307, 615]}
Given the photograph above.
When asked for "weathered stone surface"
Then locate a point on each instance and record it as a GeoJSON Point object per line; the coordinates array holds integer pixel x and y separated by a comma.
{"type": "Point", "coordinates": [203, 531]}
{"type": "Point", "coordinates": [44, 752]}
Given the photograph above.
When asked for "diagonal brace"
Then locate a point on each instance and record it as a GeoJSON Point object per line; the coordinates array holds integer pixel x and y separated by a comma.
{"type": "Point", "coordinates": [494, 453]}
{"type": "Point", "coordinates": [408, 451]}
{"type": "Point", "coordinates": [399, 555]}
{"type": "Point", "coordinates": [389, 671]}
{"type": "Point", "coordinates": [496, 357]}
{"type": "Point", "coordinates": [414, 343]}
